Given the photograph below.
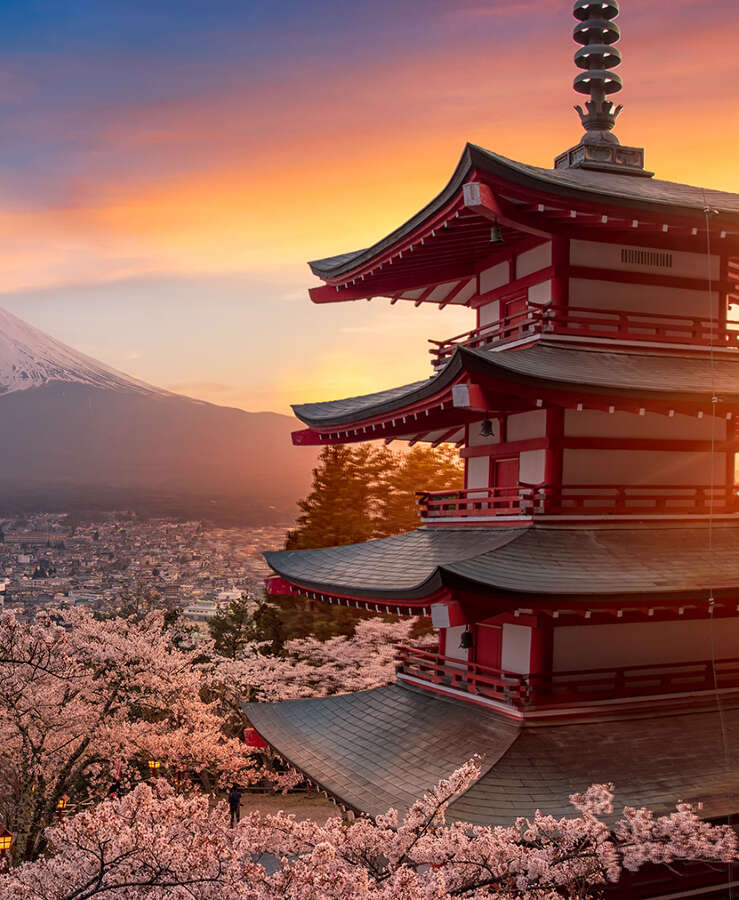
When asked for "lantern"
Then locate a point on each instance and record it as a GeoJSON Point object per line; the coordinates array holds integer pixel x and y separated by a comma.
{"type": "Point", "coordinates": [6, 839]}
{"type": "Point", "coordinates": [61, 805]}
{"type": "Point", "coordinates": [154, 766]}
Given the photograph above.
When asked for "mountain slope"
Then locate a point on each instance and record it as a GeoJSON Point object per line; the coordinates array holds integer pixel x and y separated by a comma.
{"type": "Point", "coordinates": [30, 358]}
{"type": "Point", "coordinates": [76, 433]}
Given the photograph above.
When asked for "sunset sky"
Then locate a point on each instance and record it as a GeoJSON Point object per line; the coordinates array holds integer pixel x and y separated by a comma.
{"type": "Point", "coordinates": [167, 168]}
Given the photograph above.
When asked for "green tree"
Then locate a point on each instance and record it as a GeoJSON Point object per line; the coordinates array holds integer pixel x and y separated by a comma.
{"type": "Point", "coordinates": [422, 468]}
{"type": "Point", "coordinates": [232, 628]}
{"type": "Point", "coordinates": [342, 505]}
{"type": "Point", "coordinates": [365, 492]}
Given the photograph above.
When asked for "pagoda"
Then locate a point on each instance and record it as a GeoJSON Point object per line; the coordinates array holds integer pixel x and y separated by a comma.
{"type": "Point", "coordinates": [584, 584]}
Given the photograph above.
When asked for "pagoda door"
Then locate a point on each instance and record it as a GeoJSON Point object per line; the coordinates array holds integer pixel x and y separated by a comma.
{"type": "Point", "coordinates": [512, 311]}
{"type": "Point", "coordinates": [504, 480]}
{"type": "Point", "coordinates": [487, 645]}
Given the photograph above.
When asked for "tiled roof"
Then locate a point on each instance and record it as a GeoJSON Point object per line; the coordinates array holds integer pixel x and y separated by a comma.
{"type": "Point", "coordinates": [384, 748]}
{"type": "Point", "coordinates": [649, 194]}
{"type": "Point", "coordinates": [407, 564]}
{"type": "Point", "coordinates": [596, 562]}
{"type": "Point", "coordinates": [678, 375]}
{"type": "Point", "coordinates": [675, 377]}
{"type": "Point", "coordinates": [655, 762]}
{"type": "Point", "coordinates": [381, 748]}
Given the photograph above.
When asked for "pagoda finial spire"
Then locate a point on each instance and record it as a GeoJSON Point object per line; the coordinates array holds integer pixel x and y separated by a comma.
{"type": "Point", "coordinates": [597, 32]}
{"type": "Point", "coordinates": [599, 149]}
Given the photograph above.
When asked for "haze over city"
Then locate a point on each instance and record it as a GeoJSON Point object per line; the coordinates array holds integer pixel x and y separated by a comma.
{"type": "Point", "coordinates": [168, 168]}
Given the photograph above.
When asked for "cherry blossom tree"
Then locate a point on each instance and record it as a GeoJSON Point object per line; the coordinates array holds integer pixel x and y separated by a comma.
{"type": "Point", "coordinates": [313, 668]}
{"type": "Point", "coordinates": [154, 843]}
{"type": "Point", "coordinates": [85, 703]}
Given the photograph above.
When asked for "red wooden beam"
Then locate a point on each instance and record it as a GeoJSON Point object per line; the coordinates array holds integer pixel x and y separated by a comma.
{"type": "Point", "coordinates": [479, 198]}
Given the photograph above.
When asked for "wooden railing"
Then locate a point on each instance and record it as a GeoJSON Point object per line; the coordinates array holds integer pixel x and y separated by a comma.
{"type": "Point", "coordinates": [471, 678]}
{"type": "Point", "coordinates": [552, 688]}
{"type": "Point", "coordinates": [595, 323]}
{"type": "Point", "coordinates": [587, 500]}
{"type": "Point", "coordinates": [501, 501]}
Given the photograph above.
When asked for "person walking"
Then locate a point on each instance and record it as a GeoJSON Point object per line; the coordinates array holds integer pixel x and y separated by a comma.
{"type": "Point", "coordinates": [234, 804]}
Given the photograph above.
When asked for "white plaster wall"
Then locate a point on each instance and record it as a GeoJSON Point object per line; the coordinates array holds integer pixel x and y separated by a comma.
{"type": "Point", "coordinates": [475, 439]}
{"type": "Point", "coordinates": [488, 314]}
{"type": "Point", "coordinates": [667, 301]}
{"type": "Point", "coordinates": [453, 637]}
{"type": "Point", "coordinates": [494, 277]}
{"type": "Point", "coordinates": [524, 426]}
{"type": "Point", "coordinates": [478, 472]}
{"type": "Point", "coordinates": [531, 466]}
{"type": "Point", "coordinates": [594, 423]}
{"type": "Point", "coordinates": [541, 294]}
{"type": "Point", "coordinates": [534, 260]}
{"type": "Point", "coordinates": [602, 255]}
{"type": "Point", "coordinates": [515, 650]}
{"type": "Point", "coordinates": [640, 467]}
{"type": "Point", "coordinates": [642, 643]}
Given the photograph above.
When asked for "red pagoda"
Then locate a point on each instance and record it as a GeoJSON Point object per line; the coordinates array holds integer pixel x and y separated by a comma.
{"type": "Point", "coordinates": [585, 583]}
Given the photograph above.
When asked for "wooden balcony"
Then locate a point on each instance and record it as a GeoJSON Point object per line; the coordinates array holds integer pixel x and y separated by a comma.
{"type": "Point", "coordinates": [577, 500]}
{"type": "Point", "coordinates": [586, 323]}
{"type": "Point", "coordinates": [553, 689]}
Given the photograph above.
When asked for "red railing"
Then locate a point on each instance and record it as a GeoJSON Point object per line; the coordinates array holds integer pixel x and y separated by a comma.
{"type": "Point", "coordinates": [500, 501]}
{"type": "Point", "coordinates": [469, 677]}
{"type": "Point", "coordinates": [509, 328]}
{"type": "Point", "coordinates": [590, 500]}
{"type": "Point", "coordinates": [554, 688]}
{"type": "Point", "coordinates": [595, 323]}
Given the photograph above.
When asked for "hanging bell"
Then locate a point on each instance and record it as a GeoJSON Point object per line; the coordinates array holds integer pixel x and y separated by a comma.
{"type": "Point", "coordinates": [465, 642]}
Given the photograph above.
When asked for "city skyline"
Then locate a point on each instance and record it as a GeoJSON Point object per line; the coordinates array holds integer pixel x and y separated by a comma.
{"type": "Point", "coordinates": [167, 172]}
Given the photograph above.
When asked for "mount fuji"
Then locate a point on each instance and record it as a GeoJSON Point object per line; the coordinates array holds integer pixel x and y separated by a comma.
{"type": "Point", "coordinates": [77, 434]}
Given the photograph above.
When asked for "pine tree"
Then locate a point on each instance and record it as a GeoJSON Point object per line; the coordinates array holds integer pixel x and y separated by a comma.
{"type": "Point", "coordinates": [364, 492]}
{"type": "Point", "coordinates": [342, 505]}
{"type": "Point", "coordinates": [233, 627]}
{"type": "Point", "coordinates": [421, 469]}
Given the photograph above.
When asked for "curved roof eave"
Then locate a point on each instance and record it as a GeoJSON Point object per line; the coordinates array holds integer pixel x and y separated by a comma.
{"type": "Point", "coordinates": [407, 566]}
{"type": "Point", "coordinates": [596, 563]}
{"type": "Point", "coordinates": [664, 378]}
{"type": "Point", "coordinates": [584, 184]}
{"type": "Point", "coordinates": [379, 402]}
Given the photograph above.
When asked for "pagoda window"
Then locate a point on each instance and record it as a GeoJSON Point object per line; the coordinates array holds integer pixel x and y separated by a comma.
{"type": "Point", "coordinates": [652, 260]}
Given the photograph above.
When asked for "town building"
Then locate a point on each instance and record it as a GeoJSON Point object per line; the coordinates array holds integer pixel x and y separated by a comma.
{"type": "Point", "coordinates": [585, 582]}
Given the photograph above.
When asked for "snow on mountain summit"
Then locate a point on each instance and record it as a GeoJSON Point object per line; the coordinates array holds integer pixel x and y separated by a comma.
{"type": "Point", "coordinates": [30, 358]}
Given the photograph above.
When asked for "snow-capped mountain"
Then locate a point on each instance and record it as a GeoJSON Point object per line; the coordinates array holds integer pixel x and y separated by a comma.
{"type": "Point", "coordinates": [76, 434]}
{"type": "Point", "coordinates": [30, 358]}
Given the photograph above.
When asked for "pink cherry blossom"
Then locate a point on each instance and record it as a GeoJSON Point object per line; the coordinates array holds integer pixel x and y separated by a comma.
{"type": "Point", "coordinates": [155, 844]}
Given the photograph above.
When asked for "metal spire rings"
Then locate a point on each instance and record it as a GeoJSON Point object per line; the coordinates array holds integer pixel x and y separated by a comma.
{"type": "Point", "coordinates": [597, 32]}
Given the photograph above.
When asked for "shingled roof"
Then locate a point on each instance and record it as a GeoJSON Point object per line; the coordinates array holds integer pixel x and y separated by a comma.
{"type": "Point", "coordinates": [383, 748]}
{"type": "Point", "coordinates": [647, 194]}
{"type": "Point", "coordinates": [597, 562]}
{"type": "Point", "coordinates": [666, 377]}
{"type": "Point", "coordinates": [380, 748]}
